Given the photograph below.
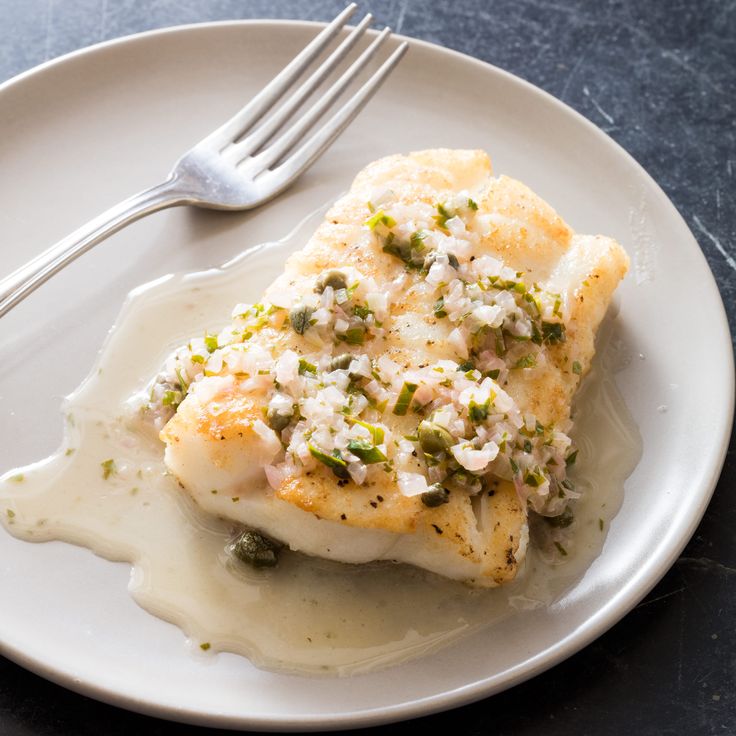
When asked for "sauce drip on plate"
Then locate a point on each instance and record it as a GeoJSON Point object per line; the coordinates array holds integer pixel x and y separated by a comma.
{"type": "Point", "coordinates": [107, 489]}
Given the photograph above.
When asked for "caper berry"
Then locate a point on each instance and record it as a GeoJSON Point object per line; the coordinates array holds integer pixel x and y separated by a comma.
{"type": "Point", "coordinates": [435, 496]}
{"type": "Point", "coordinates": [432, 257]}
{"type": "Point", "coordinates": [276, 420]}
{"type": "Point", "coordinates": [340, 362]}
{"type": "Point", "coordinates": [299, 317]}
{"type": "Point", "coordinates": [433, 438]}
{"type": "Point", "coordinates": [255, 549]}
{"type": "Point", "coordinates": [334, 278]}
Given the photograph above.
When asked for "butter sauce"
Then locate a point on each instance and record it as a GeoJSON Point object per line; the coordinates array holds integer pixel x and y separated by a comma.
{"type": "Point", "coordinates": [307, 615]}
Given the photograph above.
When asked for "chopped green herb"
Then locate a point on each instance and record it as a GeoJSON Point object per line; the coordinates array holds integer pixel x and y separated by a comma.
{"type": "Point", "coordinates": [410, 252]}
{"type": "Point", "coordinates": [478, 412]}
{"type": "Point", "coordinates": [442, 216]}
{"type": "Point", "coordinates": [380, 218]}
{"type": "Point", "coordinates": [534, 478]}
{"type": "Point", "coordinates": [197, 358]}
{"type": "Point", "coordinates": [108, 468]}
{"type": "Point", "coordinates": [18, 478]}
{"type": "Point", "coordinates": [439, 308]}
{"type": "Point", "coordinates": [362, 311]}
{"type": "Point", "coordinates": [571, 458]}
{"type": "Point", "coordinates": [70, 451]}
{"type": "Point", "coordinates": [10, 513]}
{"type": "Point", "coordinates": [553, 332]}
{"type": "Point", "coordinates": [472, 204]}
{"type": "Point", "coordinates": [527, 361]}
{"type": "Point", "coordinates": [171, 398]}
{"type": "Point", "coordinates": [366, 451]}
{"type": "Point", "coordinates": [204, 646]}
{"type": "Point", "coordinates": [376, 432]}
{"type": "Point", "coordinates": [561, 549]}
{"type": "Point", "coordinates": [334, 462]}
{"type": "Point", "coordinates": [306, 367]}
{"type": "Point", "coordinates": [600, 524]}
{"type": "Point", "coordinates": [210, 342]}
{"type": "Point", "coordinates": [405, 396]}
{"type": "Point", "coordinates": [577, 368]}
{"type": "Point", "coordinates": [417, 239]}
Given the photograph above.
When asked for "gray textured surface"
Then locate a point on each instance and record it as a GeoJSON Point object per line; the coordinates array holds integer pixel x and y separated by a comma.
{"type": "Point", "coordinates": [660, 78]}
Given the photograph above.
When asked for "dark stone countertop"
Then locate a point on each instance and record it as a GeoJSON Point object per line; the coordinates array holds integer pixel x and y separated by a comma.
{"type": "Point", "coordinates": [660, 78]}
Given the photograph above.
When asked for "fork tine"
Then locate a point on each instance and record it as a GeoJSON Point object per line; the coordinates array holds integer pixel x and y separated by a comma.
{"type": "Point", "coordinates": [296, 132]}
{"type": "Point", "coordinates": [262, 134]}
{"type": "Point", "coordinates": [271, 93]}
{"type": "Point", "coordinates": [277, 179]}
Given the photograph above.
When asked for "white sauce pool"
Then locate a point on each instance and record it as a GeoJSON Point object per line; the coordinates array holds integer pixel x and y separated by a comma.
{"type": "Point", "coordinates": [306, 615]}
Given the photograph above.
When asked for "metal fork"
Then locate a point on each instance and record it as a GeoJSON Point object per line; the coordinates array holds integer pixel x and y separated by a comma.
{"type": "Point", "coordinates": [242, 164]}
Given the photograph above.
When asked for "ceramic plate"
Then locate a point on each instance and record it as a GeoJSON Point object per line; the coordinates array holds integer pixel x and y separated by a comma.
{"type": "Point", "coordinates": [83, 132]}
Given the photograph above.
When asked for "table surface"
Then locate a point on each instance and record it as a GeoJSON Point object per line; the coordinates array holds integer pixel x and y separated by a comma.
{"type": "Point", "coordinates": [660, 78]}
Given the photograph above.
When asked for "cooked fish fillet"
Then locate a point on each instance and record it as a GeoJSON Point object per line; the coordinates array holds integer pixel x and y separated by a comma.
{"type": "Point", "coordinates": [372, 502]}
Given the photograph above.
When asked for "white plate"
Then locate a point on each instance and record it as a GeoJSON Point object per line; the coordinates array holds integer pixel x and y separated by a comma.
{"type": "Point", "coordinates": [82, 132]}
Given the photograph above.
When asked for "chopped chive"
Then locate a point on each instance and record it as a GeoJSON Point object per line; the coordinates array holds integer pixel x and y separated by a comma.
{"type": "Point", "coordinates": [571, 458]}
{"type": "Point", "coordinates": [334, 462]}
{"type": "Point", "coordinates": [108, 468]}
{"type": "Point", "coordinates": [210, 342]}
{"type": "Point", "coordinates": [306, 367]}
{"type": "Point", "coordinates": [553, 332]}
{"type": "Point", "coordinates": [561, 549]}
{"type": "Point", "coordinates": [478, 412]}
{"type": "Point", "coordinates": [376, 432]}
{"type": "Point", "coordinates": [380, 218]}
{"type": "Point", "coordinates": [367, 452]}
{"type": "Point", "coordinates": [527, 361]}
{"type": "Point", "coordinates": [405, 396]}
{"type": "Point", "coordinates": [577, 368]}
{"type": "Point", "coordinates": [442, 216]}
{"type": "Point", "coordinates": [439, 308]}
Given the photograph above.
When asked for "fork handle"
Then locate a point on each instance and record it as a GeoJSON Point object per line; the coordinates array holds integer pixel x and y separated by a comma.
{"type": "Point", "coordinates": [26, 279]}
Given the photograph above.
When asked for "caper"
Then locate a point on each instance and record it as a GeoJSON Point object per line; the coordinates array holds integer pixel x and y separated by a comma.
{"type": "Point", "coordinates": [299, 317]}
{"type": "Point", "coordinates": [433, 438]}
{"type": "Point", "coordinates": [255, 549]}
{"type": "Point", "coordinates": [276, 420]}
{"type": "Point", "coordinates": [432, 257]}
{"type": "Point", "coordinates": [340, 362]}
{"type": "Point", "coordinates": [334, 278]}
{"type": "Point", "coordinates": [561, 521]}
{"type": "Point", "coordinates": [435, 496]}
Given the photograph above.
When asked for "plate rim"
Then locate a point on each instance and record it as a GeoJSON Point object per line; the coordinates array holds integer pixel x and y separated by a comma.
{"type": "Point", "coordinates": [606, 616]}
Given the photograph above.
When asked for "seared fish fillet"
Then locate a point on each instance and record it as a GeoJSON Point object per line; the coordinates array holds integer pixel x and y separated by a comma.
{"type": "Point", "coordinates": [403, 390]}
